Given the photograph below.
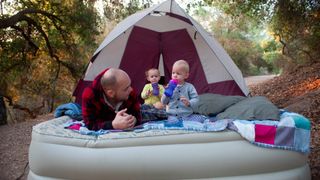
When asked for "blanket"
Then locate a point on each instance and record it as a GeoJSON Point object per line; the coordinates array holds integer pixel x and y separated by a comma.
{"type": "Point", "coordinates": [72, 110]}
{"type": "Point", "coordinates": [291, 132]}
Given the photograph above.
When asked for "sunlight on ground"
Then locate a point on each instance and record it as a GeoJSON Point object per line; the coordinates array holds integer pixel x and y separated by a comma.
{"type": "Point", "coordinates": [306, 86]}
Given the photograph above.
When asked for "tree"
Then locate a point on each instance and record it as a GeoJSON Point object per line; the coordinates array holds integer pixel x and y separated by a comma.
{"type": "Point", "coordinates": [295, 24]}
{"type": "Point", "coordinates": [118, 10]}
{"type": "Point", "coordinates": [42, 45]}
{"type": "Point", "coordinates": [240, 37]}
{"type": "Point", "coordinates": [3, 113]}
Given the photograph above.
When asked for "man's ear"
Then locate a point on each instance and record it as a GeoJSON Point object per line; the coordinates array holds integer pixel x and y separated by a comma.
{"type": "Point", "coordinates": [110, 93]}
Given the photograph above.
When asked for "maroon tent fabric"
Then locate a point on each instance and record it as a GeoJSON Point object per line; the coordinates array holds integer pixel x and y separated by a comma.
{"type": "Point", "coordinates": [143, 51]}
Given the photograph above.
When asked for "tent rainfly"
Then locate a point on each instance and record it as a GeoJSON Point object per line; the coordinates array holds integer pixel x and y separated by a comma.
{"type": "Point", "coordinates": [155, 38]}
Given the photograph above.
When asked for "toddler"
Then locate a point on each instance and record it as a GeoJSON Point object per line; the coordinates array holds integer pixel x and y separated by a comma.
{"type": "Point", "coordinates": [180, 96]}
{"type": "Point", "coordinates": [153, 91]}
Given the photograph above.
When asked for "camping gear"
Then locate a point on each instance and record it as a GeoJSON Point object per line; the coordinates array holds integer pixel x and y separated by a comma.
{"type": "Point", "coordinates": [157, 37]}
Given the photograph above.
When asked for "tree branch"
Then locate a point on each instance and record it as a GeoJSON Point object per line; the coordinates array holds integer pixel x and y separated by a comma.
{"type": "Point", "coordinates": [27, 38]}
{"type": "Point", "coordinates": [31, 113]}
{"type": "Point", "coordinates": [11, 21]}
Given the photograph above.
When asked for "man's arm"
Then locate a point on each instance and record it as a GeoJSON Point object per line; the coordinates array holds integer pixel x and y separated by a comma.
{"type": "Point", "coordinates": [90, 109]}
{"type": "Point", "coordinates": [134, 108]}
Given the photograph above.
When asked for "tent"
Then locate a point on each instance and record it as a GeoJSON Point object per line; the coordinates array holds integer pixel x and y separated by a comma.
{"type": "Point", "coordinates": [157, 37]}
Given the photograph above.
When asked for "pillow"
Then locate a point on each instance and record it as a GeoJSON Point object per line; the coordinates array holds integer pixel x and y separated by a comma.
{"type": "Point", "coordinates": [257, 107]}
{"type": "Point", "coordinates": [212, 104]}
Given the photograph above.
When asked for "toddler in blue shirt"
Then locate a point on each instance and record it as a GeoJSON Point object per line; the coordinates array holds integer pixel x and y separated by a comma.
{"type": "Point", "coordinates": [184, 98]}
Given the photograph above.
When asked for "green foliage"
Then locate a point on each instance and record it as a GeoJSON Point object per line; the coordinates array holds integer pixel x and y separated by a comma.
{"type": "Point", "coordinates": [242, 39]}
{"type": "Point", "coordinates": [118, 10]}
{"type": "Point", "coordinates": [52, 44]}
{"type": "Point", "coordinates": [295, 24]}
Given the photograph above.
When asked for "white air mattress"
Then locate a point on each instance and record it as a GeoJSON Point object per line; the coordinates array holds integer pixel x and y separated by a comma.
{"type": "Point", "coordinates": [58, 153]}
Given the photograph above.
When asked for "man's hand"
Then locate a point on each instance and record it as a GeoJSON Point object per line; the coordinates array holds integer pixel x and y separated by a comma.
{"type": "Point", "coordinates": [185, 101]}
{"type": "Point", "coordinates": [123, 120]}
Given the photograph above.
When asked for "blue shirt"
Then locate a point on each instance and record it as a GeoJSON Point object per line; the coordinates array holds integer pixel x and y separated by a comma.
{"type": "Point", "coordinates": [175, 106]}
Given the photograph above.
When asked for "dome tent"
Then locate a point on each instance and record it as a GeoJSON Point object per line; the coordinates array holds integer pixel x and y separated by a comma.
{"type": "Point", "coordinates": [155, 38]}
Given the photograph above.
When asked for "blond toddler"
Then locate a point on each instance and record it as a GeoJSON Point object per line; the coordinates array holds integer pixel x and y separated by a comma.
{"type": "Point", "coordinates": [152, 92]}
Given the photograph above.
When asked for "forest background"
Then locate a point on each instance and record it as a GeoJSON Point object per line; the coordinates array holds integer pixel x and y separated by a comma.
{"type": "Point", "coordinates": [45, 47]}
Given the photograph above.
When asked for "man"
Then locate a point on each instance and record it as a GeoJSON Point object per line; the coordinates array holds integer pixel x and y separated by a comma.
{"type": "Point", "coordinates": [110, 102]}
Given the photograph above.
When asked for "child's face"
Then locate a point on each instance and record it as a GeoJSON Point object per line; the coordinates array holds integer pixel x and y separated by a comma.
{"type": "Point", "coordinates": [179, 72]}
{"type": "Point", "coordinates": [153, 76]}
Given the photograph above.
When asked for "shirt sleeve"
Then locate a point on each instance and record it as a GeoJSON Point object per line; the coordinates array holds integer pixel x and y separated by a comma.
{"type": "Point", "coordinates": [90, 108]}
{"type": "Point", "coordinates": [194, 98]}
{"type": "Point", "coordinates": [135, 107]}
{"type": "Point", "coordinates": [165, 99]}
{"type": "Point", "coordinates": [161, 88]}
{"type": "Point", "coordinates": [144, 93]}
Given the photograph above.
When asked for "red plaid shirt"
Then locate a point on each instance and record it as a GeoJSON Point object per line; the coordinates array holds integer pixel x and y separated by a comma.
{"type": "Point", "coordinates": [97, 114]}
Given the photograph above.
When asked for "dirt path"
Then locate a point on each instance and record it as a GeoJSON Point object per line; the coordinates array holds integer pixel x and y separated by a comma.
{"type": "Point", "coordinates": [254, 80]}
{"type": "Point", "coordinates": [15, 140]}
{"type": "Point", "coordinates": [14, 146]}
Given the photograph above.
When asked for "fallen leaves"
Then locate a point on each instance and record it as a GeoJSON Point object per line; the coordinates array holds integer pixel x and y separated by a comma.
{"type": "Point", "coordinates": [298, 91]}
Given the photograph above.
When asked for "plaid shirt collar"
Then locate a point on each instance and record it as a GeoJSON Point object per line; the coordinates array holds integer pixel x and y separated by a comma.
{"type": "Point", "coordinates": [116, 108]}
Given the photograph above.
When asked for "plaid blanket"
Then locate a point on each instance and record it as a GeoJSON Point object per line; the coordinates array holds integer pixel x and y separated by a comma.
{"type": "Point", "coordinates": [292, 132]}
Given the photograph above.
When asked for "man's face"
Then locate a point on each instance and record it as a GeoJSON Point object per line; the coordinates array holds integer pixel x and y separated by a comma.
{"type": "Point", "coordinates": [123, 88]}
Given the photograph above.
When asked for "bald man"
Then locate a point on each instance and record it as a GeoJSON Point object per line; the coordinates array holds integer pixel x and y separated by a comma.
{"type": "Point", "coordinates": [110, 102]}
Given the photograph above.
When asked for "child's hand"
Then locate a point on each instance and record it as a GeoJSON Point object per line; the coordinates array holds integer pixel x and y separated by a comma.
{"type": "Point", "coordinates": [185, 100]}
{"type": "Point", "coordinates": [158, 105]}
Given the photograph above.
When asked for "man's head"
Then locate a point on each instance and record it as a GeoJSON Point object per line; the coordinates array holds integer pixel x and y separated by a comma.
{"type": "Point", "coordinates": [116, 85]}
{"type": "Point", "coordinates": [180, 71]}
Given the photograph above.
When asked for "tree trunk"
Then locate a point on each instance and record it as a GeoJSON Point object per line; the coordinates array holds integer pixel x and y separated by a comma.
{"type": "Point", "coordinates": [3, 111]}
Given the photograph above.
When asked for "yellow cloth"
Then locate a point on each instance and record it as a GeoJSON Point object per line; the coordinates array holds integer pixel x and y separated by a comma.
{"type": "Point", "coordinates": [151, 99]}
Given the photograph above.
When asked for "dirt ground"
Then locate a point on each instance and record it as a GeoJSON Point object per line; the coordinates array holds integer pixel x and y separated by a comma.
{"type": "Point", "coordinates": [15, 140]}
{"type": "Point", "coordinates": [14, 146]}
{"type": "Point", "coordinates": [255, 80]}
